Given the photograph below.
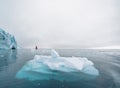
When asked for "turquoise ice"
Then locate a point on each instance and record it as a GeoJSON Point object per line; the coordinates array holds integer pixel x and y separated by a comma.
{"type": "Point", "coordinates": [58, 68]}
{"type": "Point", "coordinates": [7, 41]}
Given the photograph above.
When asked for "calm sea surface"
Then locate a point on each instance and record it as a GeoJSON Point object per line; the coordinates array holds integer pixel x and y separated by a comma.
{"type": "Point", "coordinates": [106, 61]}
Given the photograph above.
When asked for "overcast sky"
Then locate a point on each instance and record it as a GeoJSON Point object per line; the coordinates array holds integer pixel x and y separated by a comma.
{"type": "Point", "coordinates": [62, 23]}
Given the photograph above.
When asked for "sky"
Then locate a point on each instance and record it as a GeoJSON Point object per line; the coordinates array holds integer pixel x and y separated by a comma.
{"type": "Point", "coordinates": [62, 23]}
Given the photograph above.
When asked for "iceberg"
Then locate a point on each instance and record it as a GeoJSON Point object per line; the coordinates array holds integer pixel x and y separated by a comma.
{"type": "Point", "coordinates": [7, 41]}
{"type": "Point", "coordinates": [57, 67]}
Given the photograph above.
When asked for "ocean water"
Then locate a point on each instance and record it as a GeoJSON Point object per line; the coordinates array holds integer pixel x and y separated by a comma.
{"type": "Point", "coordinates": [106, 61]}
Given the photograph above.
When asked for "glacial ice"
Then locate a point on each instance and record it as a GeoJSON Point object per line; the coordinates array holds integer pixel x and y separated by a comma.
{"type": "Point", "coordinates": [57, 67]}
{"type": "Point", "coordinates": [7, 41]}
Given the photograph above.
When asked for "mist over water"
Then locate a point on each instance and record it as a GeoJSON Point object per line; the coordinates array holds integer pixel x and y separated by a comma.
{"type": "Point", "coordinates": [62, 23]}
{"type": "Point", "coordinates": [80, 28]}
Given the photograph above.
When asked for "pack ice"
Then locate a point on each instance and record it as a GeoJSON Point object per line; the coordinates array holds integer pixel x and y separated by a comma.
{"type": "Point", "coordinates": [7, 41]}
{"type": "Point", "coordinates": [57, 67]}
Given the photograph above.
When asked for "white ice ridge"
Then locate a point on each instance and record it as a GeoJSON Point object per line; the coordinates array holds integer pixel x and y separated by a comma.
{"type": "Point", "coordinates": [7, 41]}
{"type": "Point", "coordinates": [65, 64]}
{"type": "Point", "coordinates": [57, 67]}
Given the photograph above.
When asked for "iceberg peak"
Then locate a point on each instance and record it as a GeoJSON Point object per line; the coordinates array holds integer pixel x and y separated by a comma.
{"type": "Point", "coordinates": [54, 54]}
{"type": "Point", "coordinates": [7, 41]}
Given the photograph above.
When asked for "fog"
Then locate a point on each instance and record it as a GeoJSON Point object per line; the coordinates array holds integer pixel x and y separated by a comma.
{"type": "Point", "coordinates": [62, 23]}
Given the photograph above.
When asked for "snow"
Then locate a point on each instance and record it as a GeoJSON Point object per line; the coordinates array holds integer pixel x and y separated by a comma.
{"type": "Point", "coordinates": [7, 41]}
{"type": "Point", "coordinates": [42, 67]}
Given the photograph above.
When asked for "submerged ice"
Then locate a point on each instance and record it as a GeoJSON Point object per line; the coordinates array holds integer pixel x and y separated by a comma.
{"type": "Point", "coordinates": [57, 67]}
{"type": "Point", "coordinates": [7, 41]}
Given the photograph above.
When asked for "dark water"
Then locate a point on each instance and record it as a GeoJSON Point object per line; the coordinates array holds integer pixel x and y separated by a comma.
{"type": "Point", "coordinates": [106, 61]}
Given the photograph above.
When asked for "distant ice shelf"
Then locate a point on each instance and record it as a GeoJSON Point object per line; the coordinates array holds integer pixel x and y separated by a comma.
{"type": "Point", "coordinates": [57, 67]}
{"type": "Point", "coordinates": [7, 41]}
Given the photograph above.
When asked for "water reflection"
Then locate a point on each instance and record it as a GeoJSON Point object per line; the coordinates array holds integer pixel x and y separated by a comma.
{"type": "Point", "coordinates": [108, 66]}
{"type": "Point", "coordinates": [7, 57]}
